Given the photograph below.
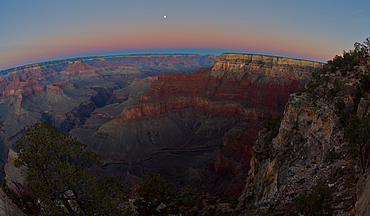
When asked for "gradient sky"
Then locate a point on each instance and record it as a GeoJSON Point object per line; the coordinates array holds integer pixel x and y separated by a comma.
{"type": "Point", "coordinates": [41, 30]}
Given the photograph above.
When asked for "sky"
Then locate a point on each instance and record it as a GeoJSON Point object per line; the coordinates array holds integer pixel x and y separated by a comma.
{"type": "Point", "coordinates": [43, 30]}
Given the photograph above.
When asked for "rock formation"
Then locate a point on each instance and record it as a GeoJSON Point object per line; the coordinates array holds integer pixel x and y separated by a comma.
{"type": "Point", "coordinates": [187, 127]}
{"type": "Point", "coordinates": [64, 93]}
{"type": "Point", "coordinates": [301, 155]}
{"type": "Point", "coordinates": [7, 207]}
{"type": "Point", "coordinates": [193, 128]}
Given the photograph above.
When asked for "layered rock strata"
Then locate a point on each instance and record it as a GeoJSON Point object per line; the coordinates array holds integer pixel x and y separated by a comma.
{"type": "Point", "coordinates": [64, 93]}
{"type": "Point", "coordinates": [298, 158]}
{"type": "Point", "coordinates": [179, 126]}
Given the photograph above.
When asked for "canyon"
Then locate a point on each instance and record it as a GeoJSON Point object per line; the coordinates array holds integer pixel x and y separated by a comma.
{"type": "Point", "coordinates": [189, 118]}
{"type": "Point", "coordinates": [64, 93]}
{"type": "Point", "coordinates": [196, 128]}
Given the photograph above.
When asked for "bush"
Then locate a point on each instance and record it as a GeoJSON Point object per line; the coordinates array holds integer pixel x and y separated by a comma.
{"type": "Point", "coordinates": [340, 110]}
{"type": "Point", "coordinates": [339, 105]}
{"type": "Point", "coordinates": [270, 212]}
{"type": "Point", "coordinates": [343, 118]}
{"type": "Point", "coordinates": [332, 155]}
{"type": "Point", "coordinates": [58, 175]}
{"type": "Point", "coordinates": [358, 136]}
{"type": "Point", "coordinates": [343, 63]}
{"type": "Point", "coordinates": [228, 199]}
{"type": "Point", "coordinates": [315, 75]}
{"type": "Point", "coordinates": [365, 80]}
{"type": "Point", "coordinates": [311, 88]}
{"type": "Point", "coordinates": [156, 192]}
{"type": "Point", "coordinates": [25, 202]}
{"type": "Point", "coordinates": [325, 69]}
{"type": "Point", "coordinates": [362, 50]}
{"type": "Point", "coordinates": [272, 123]}
{"type": "Point", "coordinates": [317, 203]}
{"type": "Point", "coordinates": [334, 91]}
{"type": "Point", "coordinates": [212, 201]}
{"type": "Point", "coordinates": [357, 97]}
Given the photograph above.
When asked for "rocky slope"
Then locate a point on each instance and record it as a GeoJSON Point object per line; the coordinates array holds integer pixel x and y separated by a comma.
{"type": "Point", "coordinates": [310, 148]}
{"type": "Point", "coordinates": [7, 207]}
{"type": "Point", "coordinates": [188, 128]}
{"type": "Point", "coordinates": [64, 93]}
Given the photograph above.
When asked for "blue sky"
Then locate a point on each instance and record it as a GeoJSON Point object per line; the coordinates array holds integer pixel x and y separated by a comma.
{"type": "Point", "coordinates": [42, 30]}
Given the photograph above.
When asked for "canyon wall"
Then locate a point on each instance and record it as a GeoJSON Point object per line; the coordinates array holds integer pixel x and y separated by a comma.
{"type": "Point", "coordinates": [310, 148]}
{"type": "Point", "coordinates": [142, 115]}
{"type": "Point", "coordinates": [188, 127]}
{"type": "Point", "coordinates": [64, 93]}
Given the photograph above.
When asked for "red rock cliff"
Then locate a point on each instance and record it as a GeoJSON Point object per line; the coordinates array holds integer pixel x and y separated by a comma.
{"type": "Point", "coordinates": [197, 112]}
{"type": "Point", "coordinates": [228, 88]}
{"type": "Point", "coordinates": [28, 88]}
{"type": "Point", "coordinates": [238, 65]}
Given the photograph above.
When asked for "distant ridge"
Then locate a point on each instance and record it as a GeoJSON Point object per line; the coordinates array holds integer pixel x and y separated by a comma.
{"type": "Point", "coordinates": [91, 58]}
{"type": "Point", "coordinates": [6, 71]}
{"type": "Point", "coordinates": [276, 56]}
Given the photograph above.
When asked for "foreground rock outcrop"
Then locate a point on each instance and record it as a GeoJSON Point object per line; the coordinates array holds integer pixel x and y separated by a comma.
{"type": "Point", "coordinates": [310, 148]}
{"type": "Point", "coordinates": [7, 207]}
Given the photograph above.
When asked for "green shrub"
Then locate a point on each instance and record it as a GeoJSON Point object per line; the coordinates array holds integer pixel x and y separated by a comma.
{"type": "Point", "coordinates": [339, 105]}
{"type": "Point", "coordinates": [343, 118]}
{"type": "Point", "coordinates": [58, 175]}
{"type": "Point", "coordinates": [212, 201]}
{"type": "Point", "coordinates": [362, 50]}
{"type": "Point", "coordinates": [269, 212]}
{"type": "Point", "coordinates": [315, 75]}
{"type": "Point", "coordinates": [292, 213]}
{"type": "Point", "coordinates": [332, 155]}
{"type": "Point", "coordinates": [248, 199]}
{"type": "Point", "coordinates": [365, 80]}
{"type": "Point", "coordinates": [358, 135]}
{"type": "Point", "coordinates": [334, 91]}
{"type": "Point", "coordinates": [154, 191]}
{"type": "Point", "coordinates": [341, 112]}
{"type": "Point", "coordinates": [210, 212]}
{"type": "Point", "coordinates": [325, 69]}
{"type": "Point", "coordinates": [272, 123]}
{"type": "Point", "coordinates": [311, 88]}
{"type": "Point", "coordinates": [25, 202]}
{"type": "Point", "coordinates": [324, 79]}
{"type": "Point", "coordinates": [200, 206]}
{"type": "Point", "coordinates": [234, 204]}
{"type": "Point", "coordinates": [228, 199]}
{"type": "Point", "coordinates": [357, 98]}
{"type": "Point", "coordinates": [344, 63]}
{"type": "Point", "coordinates": [317, 203]}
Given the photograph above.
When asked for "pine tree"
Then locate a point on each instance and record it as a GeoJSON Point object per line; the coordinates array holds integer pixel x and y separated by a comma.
{"type": "Point", "coordinates": [59, 175]}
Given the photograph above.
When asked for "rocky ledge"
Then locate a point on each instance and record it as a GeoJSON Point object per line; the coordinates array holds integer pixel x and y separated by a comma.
{"type": "Point", "coordinates": [310, 148]}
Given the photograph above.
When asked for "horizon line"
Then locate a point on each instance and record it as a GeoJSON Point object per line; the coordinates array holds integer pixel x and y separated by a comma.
{"type": "Point", "coordinates": [96, 56]}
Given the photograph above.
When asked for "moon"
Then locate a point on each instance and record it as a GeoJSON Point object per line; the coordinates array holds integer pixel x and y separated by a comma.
{"type": "Point", "coordinates": [164, 16]}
